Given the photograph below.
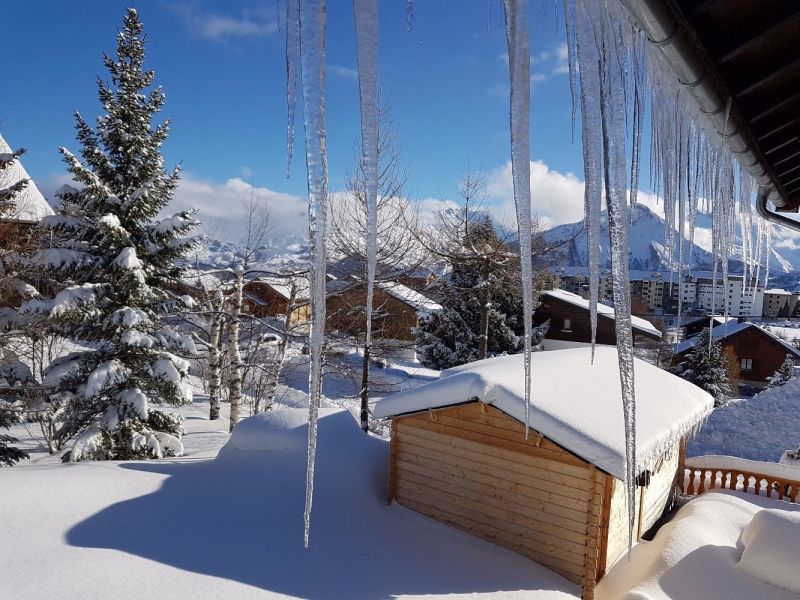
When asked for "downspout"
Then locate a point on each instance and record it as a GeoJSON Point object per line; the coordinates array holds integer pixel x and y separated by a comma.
{"type": "Point", "coordinates": [774, 217]}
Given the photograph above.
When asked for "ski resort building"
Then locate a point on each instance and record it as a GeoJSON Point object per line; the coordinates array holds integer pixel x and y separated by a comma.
{"type": "Point", "coordinates": [758, 352]}
{"type": "Point", "coordinates": [779, 303]}
{"type": "Point", "coordinates": [460, 454]}
{"type": "Point", "coordinates": [569, 316]}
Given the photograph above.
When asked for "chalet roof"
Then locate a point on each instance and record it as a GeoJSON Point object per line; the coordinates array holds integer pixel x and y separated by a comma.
{"type": "Point", "coordinates": [416, 300]}
{"type": "Point", "coordinates": [721, 332]}
{"type": "Point", "coordinates": [31, 206]}
{"type": "Point", "coordinates": [574, 403]}
{"type": "Point", "coordinates": [638, 323]}
{"type": "Point", "coordinates": [283, 286]}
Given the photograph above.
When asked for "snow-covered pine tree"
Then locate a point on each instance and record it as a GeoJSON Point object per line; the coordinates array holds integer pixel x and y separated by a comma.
{"type": "Point", "coordinates": [784, 373]}
{"type": "Point", "coordinates": [117, 258]}
{"type": "Point", "coordinates": [11, 373]}
{"type": "Point", "coordinates": [707, 368]}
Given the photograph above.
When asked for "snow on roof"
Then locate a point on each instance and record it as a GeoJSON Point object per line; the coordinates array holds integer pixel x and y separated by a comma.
{"type": "Point", "coordinates": [574, 403]}
{"type": "Point", "coordinates": [283, 286]}
{"type": "Point", "coordinates": [721, 332]}
{"type": "Point", "coordinates": [777, 292]}
{"type": "Point", "coordinates": [419, 302]}
{"type": "Point", "coordinates": [30, 204]}
{"type": "Point", "coordinates": [602, 309]}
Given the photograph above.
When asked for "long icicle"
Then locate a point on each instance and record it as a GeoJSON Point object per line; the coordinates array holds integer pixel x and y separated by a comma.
{"type": "Point", "coordinates": [312, 51]}
{"type": "Point", "coordinates": [365, 13]}
{"type": "Point", "coordinates": [519, 67]}
{"type": "Point", "coordinates": [612, 106]}
{"type": "Point", "coordinates": [292, 66]}
{"type": "Point", "coordinates": [588, 70]}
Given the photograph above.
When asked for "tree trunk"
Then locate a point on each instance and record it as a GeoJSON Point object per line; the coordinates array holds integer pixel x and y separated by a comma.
{"type": "Point", "coordinates": [234, 356]}
{"type": "Point", "coordinates": [287, 327]}
{"type": "Point", "coordinates": [365, 390]}
{"type": "Point", "coordinates": [214, 359]}
{"type": "Point", "coordinates": [485, 301]}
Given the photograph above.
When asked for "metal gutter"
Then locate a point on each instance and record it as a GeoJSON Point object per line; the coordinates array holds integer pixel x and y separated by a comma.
{"type": "Point", "coordinates": [666, 34]}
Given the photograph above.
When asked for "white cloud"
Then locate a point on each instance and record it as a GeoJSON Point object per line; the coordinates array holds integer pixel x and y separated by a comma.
{"type": "Point", "coordinates": [221, 27]}
{"type": "Point", "coordinates": [222, 206]}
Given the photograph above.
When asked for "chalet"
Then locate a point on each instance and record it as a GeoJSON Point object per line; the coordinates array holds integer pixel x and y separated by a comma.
{"type": "Point", "coordinates": [397, 309]}
{"type": "Point", "coordinates": [459, 454]}
{"type": "Point", "coordinates": [270, 296]}
{"type": "Point", "coordinates": [759, 353]}
{"type": "Point", "coordinates": [569, 317]}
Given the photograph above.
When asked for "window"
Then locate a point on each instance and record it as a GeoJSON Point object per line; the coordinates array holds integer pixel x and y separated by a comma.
{"type": "Point", "coordinates": [567, 325]}
{"type": "Point", "coordinates": [747, 364]}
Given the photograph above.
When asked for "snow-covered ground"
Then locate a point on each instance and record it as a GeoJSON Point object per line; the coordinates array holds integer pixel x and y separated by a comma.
{"type": "Point", "coordinates": [697, 555]}
{"type": "Point", "coordinates": [758, 428]}
{"type": "Point", "coordinates": [228, 524]}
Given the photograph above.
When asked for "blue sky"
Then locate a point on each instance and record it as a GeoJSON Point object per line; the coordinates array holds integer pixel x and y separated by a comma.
{"type": "Point", "coordinates": [222, 66]}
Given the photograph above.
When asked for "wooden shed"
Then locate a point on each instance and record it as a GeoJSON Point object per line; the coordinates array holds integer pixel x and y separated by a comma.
{"type": "Point", "coordinates": [459, 454]}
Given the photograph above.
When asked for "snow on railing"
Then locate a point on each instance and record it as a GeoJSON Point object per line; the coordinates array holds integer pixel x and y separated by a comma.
{"type": "Point", "coordinates": [705, 473]}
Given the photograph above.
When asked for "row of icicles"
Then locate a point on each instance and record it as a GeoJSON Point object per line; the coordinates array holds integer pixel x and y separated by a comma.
{"type": "Point", "coordinates": [617, 84]}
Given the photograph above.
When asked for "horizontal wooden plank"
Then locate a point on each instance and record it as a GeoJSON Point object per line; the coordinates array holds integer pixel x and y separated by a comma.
{"type": "Point", "coordinates": [489, 425]}
{"type": "Point", "coordinates": [518, 463]}
{"type": "Point", "coordinates": [559, 462]}
{"type": "Point", "coordinates": [529, 514]}
{"type": "Point", "coordinates": [503, 479]}
{"type": "Point", "coordinates": [568, 569]}
{"type": "Point", "coordinates": [457, 502]}
{"type": "Point", "coordinates": [489, 439]}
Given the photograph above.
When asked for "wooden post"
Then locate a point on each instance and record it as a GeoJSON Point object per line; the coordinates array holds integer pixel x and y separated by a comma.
{"type": "Point", "coordinates": [392, 491]}
{"type": "Point", "coordinates": [606, 512]}
{"type": "Point", "coordinates": [642, 491]}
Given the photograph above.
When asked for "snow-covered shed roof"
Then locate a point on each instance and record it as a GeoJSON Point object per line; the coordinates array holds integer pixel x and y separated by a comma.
{"type": "Point", "coordinates": [573, 402]}
{"type": "Point", "coordinates": [721, 332]}
{"type": "Point", "coordinates": [31, 206]}
{"type": "Point", "coordinates": [419, 302]}
{"type": "Point", "coordinates": [602, 310]}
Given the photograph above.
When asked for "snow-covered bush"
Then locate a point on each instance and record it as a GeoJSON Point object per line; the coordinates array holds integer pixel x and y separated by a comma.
{"type": "Point", "coordinates": [117, 259]}
{"type": "Point", "coordinates": [784, 373]}
{"type": "Point", "coordinates": [770, 542]}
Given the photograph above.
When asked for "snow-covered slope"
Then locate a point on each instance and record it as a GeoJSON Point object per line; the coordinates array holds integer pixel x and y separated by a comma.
{"type": "Point", "coordinates": [647, 250]}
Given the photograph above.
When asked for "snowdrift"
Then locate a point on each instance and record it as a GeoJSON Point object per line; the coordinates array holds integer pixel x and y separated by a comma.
{"type": "Point", "coordinates": [232, 527]}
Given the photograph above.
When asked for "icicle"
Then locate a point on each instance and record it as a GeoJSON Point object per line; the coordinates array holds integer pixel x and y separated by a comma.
{"type": "Point", "coordinates": [292, 64]}
{"type": "Point", "coordinates": [569, 24]}
{"type": "Point", "coordinates": [587, 67]}
{"type": "Point", "coordinates": [612, 112]}
{"type": "Point", "coordinates": [312, 52]}
{"type": "Point", "coordinates": [638, 115]}
{"type": "Point", "coordinates": [519, 67]}
{"type": "Point", "coordinates": [365, 13]}
{"type": "Point", "coordinates": [767, 252]}
{"type": "Point", "coordinates": [409, 15]}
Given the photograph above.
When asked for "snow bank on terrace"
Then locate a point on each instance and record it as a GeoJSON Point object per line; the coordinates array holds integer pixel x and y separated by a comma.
{"type": "Point", "coordinates": [770, 548]}
{"type": "Point", "coordinates": [696, 555]}
{"type": "Point", "coordinates": [602, 310]}
{"type": "Point", "coordinates": [758, 428]}
{"type": "Point", "coordinates": [575, 404]}
{"type": "Point", "coordinates": [232, 527]}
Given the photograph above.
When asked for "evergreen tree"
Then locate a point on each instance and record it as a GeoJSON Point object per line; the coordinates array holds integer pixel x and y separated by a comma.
{"type": "Point", "coordinates": [481, 291]}
{"type": "Point", "coordinates": [116, 258]}
{"type": "Point", "coordinates": [784, 373]}
{"type": "Point", "coordinates": [708, 368]}
{"type": "Point", "coordinates": [12, 373]}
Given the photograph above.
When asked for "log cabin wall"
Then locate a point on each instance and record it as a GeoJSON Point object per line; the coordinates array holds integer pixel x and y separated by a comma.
{"type": "Point", "coordinates": [470, 466]}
